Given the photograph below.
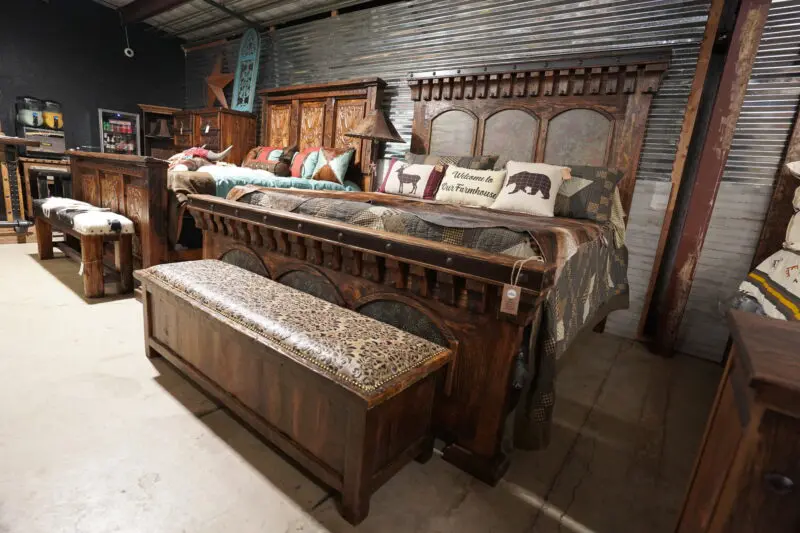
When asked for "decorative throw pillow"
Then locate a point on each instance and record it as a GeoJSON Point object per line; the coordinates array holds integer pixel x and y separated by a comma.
{"type": "Point", "coordinates": [262, 154]}
{"type": "Point", "coordinates": [530, 188]}
{"type": "Point", "coordinates": [468, 186]}
{"type": "Point", "coordinates": [478, 162]}
{"type": "Point", "coordinates": [588, 194]}
{"type": "Point", "coordinates": [793, 234]}
{"type": "Point", "coordinates": [420, 181]}
{"type": "Point", "coordinates": [332, 164]}
{"type": "Point", "coordinates": [304, 162]}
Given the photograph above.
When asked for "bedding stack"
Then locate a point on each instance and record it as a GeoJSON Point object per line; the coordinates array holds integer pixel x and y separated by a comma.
{"type": "Point", "coordinates": [773, 288]}
{"type": "Point", "coordinates": [538, 189]}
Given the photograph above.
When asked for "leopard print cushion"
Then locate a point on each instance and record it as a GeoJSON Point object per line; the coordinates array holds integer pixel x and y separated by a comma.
{"type": "Point", "coordinates": [350, 347]}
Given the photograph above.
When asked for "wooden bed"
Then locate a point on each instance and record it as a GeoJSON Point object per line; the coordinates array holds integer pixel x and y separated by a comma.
{"type": "Point", "coordinates": [306, 115]}
{"type": "Point", "coordinates": [589, 110]}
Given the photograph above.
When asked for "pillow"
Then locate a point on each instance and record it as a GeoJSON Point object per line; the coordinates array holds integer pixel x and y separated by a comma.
{"type": "Point", "coordinates": [262, 154]}
{"type": "Point", "coordinates": [332, 164]}
{"type": "Point", "coordinates": [468, 186]}
{"type": "Point", "coordinates": [480, 162]}
{"type": "Point", "coordinates": [304, 161]}
{"type": "Point", "coordinates": [530, 188]}
{"type": "Point", "coordinates": [420, 181]}
{"type": "Point", "coordinates": [793, 234]}
{"type": "Point", "coordinates": [796, 202]}
{"type": "Point", "coordinates": [279, 168]}
{"type": "Point", "coordinates": [588, 194]}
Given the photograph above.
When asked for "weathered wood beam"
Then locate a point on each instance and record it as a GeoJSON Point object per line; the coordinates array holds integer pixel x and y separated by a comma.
{"type": "Point", "coordinates": [687, 129]}
{"type": "Point", "coordinates": [746, 37]}
{"type": "Point", "coordinates": [139, 10]}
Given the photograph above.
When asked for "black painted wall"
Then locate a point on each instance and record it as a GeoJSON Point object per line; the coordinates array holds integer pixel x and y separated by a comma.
{"type": "Point", "coordinates": [72, 51]}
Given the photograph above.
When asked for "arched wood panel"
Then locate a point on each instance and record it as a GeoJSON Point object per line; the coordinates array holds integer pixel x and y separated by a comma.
{"type": "Point", "coordinates": [591, 110]}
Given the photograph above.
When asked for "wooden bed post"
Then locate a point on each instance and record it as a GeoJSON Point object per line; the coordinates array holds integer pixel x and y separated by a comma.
{"type": "Point", "coordinates": [733, 85]}
{"type": "Point", "coordinates": [687, 129]}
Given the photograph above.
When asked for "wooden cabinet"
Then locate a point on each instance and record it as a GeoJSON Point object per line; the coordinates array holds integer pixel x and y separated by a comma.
{"type": "Point", "coordinates": [748, 468]}
{"type": "Point", "coordinates": [217, 129]}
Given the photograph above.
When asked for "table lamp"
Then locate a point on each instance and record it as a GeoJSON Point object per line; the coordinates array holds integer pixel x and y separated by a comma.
{"type": "Point", "coordinates": [377, 128]}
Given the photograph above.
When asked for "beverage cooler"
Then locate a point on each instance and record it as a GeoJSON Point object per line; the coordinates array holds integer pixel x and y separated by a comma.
{"type": "Point", "coordinates": [119, 132]}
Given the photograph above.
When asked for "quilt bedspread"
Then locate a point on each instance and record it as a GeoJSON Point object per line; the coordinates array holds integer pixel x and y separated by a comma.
{"type": "Point", "coordinates": [591, 272]}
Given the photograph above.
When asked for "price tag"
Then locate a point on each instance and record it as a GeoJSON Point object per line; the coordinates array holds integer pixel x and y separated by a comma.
{"type": "Point", "coordinates": [509, 304]}
{"type": "Point", "coordinates": [208, 128]}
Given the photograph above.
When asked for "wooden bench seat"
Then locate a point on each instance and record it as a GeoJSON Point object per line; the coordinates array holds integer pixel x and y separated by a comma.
{"type": "Point", "coordinates": [93, 226]}
{"type": "Point", "coordinates": [346, 396]}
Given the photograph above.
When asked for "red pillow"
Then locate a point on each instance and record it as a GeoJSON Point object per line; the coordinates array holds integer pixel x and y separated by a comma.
{"type": "Point", "coordinates": [300, 158]}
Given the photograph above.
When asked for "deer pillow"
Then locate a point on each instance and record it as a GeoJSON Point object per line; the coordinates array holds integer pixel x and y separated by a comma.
{"type": "Point", "coordinates": [420, 181]}
{"type": "Point", "coordinates": [531, 188]}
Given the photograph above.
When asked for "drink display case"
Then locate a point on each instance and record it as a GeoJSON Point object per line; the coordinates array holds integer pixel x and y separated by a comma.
{"type": "Point", "coordinates": [119, 132]}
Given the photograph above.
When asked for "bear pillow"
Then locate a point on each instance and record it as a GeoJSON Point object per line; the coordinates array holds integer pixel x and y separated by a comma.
{"type": "Point", "coordinates": [530, 188]}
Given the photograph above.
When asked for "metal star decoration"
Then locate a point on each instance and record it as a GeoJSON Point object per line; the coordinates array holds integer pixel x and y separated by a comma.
{"type": "Point", "coordinates": [217, 82]}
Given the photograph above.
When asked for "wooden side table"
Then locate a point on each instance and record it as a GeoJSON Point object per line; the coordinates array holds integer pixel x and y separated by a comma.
{"type": "Point", "coordinates": [748, 469]}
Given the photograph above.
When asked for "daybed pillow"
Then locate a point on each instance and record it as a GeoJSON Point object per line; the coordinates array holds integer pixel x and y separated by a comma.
{"type": "Point", "coordinates": [332, 164]}
{"type": "Point", "coordinates": [588, 194]}
{"type": "Point", "coordinates": [466, 186]}
{"type": "Point", "coordinates": [262, 154]}
{"type": "Point", "coordinates": [530, 188]}
{"type": "Point", "coordinates": [479, 162]}
{"type": "Point", "coordinates": [420, 181]}
{"type": "Point", "coordinates": [304, 162]}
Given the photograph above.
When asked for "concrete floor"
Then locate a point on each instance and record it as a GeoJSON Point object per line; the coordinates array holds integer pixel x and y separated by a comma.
{"type": "Point", "coordinates": [96, 438]}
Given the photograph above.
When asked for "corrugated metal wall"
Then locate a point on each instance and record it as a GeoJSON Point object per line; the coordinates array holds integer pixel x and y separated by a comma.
{"type": "Point", "coordinates": [759, 144]}
{"type": "Point", "coordinates": [393, 40]}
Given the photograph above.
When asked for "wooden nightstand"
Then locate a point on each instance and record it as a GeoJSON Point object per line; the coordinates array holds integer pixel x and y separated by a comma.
{"type": "Point", "coordinates": [748, 468]}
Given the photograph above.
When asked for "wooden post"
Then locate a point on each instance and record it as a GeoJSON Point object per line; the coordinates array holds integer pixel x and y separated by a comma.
{"type": "Point", "coordinates": [92, 259]}
{"type": "Point", "coordinates": [125, 254]}
{"type": "Point", "coordinates": [687, 129]}
{"type": "Point", "coordinates": [733, 84]}
{"type": "Point", "coordinates": [44, 238]}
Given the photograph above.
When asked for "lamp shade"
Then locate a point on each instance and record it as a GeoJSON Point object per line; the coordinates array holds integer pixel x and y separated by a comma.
{"type": "Point", "coordinates": [377, 127]}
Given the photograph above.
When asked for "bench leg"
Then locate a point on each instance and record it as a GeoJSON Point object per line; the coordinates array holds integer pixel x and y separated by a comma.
{"type": "Point", "coordinates": [427, 452]}
{"type": "Point", "coordinates": [44, 238]}
{"type": "Point", "coordinates": [358, 467]}
{"type": "Point", "coordinates": [92, 259]}
{"type": "Point", "coordinates": [125, 254]}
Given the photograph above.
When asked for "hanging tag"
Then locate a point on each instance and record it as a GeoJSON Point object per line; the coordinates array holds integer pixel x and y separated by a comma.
{"type": "Point", "coordinates": [510, 301]}
{"type": "Point", "coordinates": [80, 270]}
{"type": "Point", "coordinates": [208, 128]}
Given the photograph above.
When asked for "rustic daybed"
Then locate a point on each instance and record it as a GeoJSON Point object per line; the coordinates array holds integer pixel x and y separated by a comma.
{"type": "Point", "coordinates": [574, 111]}
{"type": "Point", "coordinates": [142, 189]}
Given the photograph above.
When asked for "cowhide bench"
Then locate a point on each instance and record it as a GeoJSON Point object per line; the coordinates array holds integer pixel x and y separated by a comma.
{"type": "Point", "coordinates": [346, 396]}
{"type": "Point", "coordinates": [93, 226]}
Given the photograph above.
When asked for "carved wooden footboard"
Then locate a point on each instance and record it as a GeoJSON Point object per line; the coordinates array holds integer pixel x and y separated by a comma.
{"type": "Point", "coordinates": [133, 186]}
{"type": "Point", "coordinates": [447, 294]}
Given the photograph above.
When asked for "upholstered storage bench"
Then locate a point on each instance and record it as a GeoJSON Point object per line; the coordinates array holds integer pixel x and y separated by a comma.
{"type": "Point", "coordinates": [94, 227]}
{"type": "Point", "coordinates": [347, 397]}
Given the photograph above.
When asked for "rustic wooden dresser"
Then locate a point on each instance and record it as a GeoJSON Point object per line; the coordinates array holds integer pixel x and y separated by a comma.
{"type": "Point", "coordinates": [748, 467]}
{"type": "Point", "coordinates": [216, 128]}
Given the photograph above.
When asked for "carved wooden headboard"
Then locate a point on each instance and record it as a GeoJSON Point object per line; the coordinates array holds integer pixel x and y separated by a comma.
{"type": "Point", "coordinates": [569, 111]}
{"type": "Point", "coordinates": [319, 115]}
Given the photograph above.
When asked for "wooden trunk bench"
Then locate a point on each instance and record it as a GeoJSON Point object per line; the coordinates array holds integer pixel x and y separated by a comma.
{"type": "Point", "coordinates": [93, 226]}
{"type": "Point", "coordinates": [346, 396]}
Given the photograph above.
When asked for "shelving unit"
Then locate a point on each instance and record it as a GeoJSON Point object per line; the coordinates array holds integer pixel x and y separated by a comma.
{"type": "Point", "coordinates": [158, 131]}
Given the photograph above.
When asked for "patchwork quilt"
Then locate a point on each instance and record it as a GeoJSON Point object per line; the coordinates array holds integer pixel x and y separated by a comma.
{"type": "Point", "coordinates": [773, 288]}
{"type": "Point", "coordinates": [591, 270]}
